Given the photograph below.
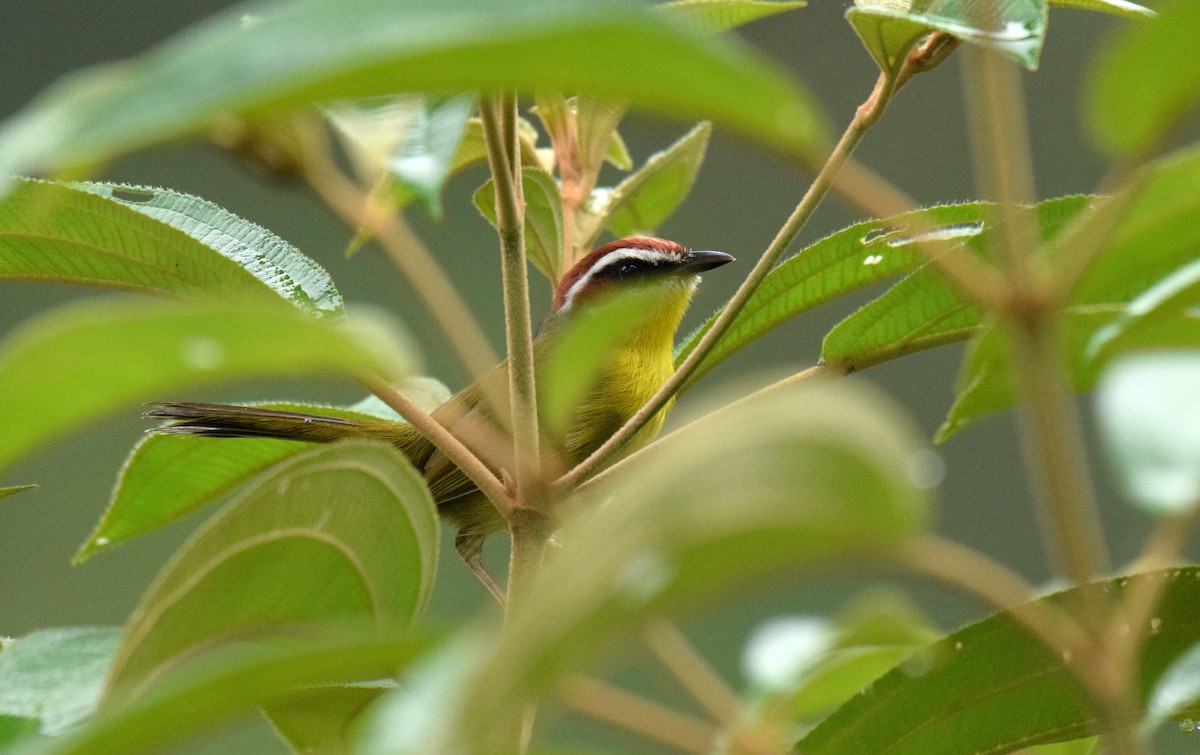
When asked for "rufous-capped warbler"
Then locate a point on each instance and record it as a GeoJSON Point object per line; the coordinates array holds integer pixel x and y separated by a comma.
{"type": "Point", "coordinates": [664, 272]}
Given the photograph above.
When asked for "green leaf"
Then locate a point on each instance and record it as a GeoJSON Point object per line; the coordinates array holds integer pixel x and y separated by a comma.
{"type": "Point", "coordinates": [924, 309]}
{"type": "Point", "coordinates": [1123, 8]}
{"type": "Point", "coordinates": [153, 241]}
{"type": "Point", "coordinates": [1177, 690]}
{"type": "Point", "coordinates": [596, 120]}
{"type": "Point", "coordinates": [822, 476]}
{"type": "Point", "coordinates": [5, 492]}
{"type": "Point", "coordinates": [617, 154]}
{"type": "Point", "coordinates": [890, 28]}
{"type": "Point", "coordinates": [649, 195]}
{"type": "Point", "coordinates": [56, 675]}
{"type": "Point", "coordinates": [863, 254]}
{"type": "Point", "coordinates": [416, 141]}
{"type": "Point", "coordinates": [1145, 80]}
{"type": "Point", "coordinates": [1005, 688]}
{"type": "Point", "coordinates": [1149, 411]}
{"type": "Point", "coordinates": [205, 694]}
{"type": "Point", "coordinates": [1152, 231]}
{"type": "Point", "coordinates": [139, 351]}
{"type": "Point", "coordinates": [543, 218]}
{"type": "Point", "coordinates": [266, 57]}
{"type": "Point", "coordinates": [323, 719]}
{"type": "Point", "coordinates": [167, 477]}
{"type": "Point", "coordinates": [339, 534]}
{"type": "Point", "coordinates": [722, 15]}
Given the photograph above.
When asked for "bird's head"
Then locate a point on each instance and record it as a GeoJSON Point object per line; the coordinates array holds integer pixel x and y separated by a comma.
{"type": "Point", "coordinates": [659, 267]}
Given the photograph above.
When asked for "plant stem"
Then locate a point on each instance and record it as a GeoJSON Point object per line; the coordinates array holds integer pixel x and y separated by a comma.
{"type": "Point", "coordinates": [407, 253]}
{"type": "Point", "coordinates": [692, 671]}
{"type": "Point", "coordinates": [635, 713]}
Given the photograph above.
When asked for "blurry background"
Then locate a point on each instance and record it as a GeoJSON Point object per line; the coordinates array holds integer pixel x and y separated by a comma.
{"type": "Point", "coordinates": [742, 196]}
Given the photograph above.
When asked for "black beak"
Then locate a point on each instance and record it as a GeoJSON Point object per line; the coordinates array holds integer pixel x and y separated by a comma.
{"type": "Point", "coordinates": [698, 262]}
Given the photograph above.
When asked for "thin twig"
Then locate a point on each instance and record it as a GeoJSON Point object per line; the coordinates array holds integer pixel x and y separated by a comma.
{"type": "Point", "coordinates": [635, 713]}
{"type": "Point", "coordinates": [692, 671]}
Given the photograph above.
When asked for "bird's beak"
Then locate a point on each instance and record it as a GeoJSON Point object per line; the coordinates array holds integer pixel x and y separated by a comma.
{"type": "Point", "coordinates": [698, 262]}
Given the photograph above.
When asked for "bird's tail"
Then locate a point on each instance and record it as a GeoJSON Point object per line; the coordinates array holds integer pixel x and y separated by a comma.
{"type": "Point", "coordinates": [226, 421]}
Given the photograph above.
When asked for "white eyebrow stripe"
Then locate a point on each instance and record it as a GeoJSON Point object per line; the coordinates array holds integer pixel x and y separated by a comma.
{"type": "Point", "coordinates": [617, 255]}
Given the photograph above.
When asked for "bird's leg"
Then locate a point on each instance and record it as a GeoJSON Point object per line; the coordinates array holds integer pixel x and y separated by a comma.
{"type": "Point", "coordinates": [470, 550]}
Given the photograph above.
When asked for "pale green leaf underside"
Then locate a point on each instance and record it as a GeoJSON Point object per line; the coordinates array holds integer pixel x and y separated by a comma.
{"type": "Point", "coordinates": [344, 534]}
{"type": "Point", "coordinates": [56, 675]}
{"type": "Point", "coordinates": [272, 56]}
{"type": "Point", "coordinates": [1007, 690]}
{"type": "Point", "coordinates": [151, 350]}
{"type": "Point", "coordinates": [1123, 8]}
{"type": "Point", "coordinates": [153, 241]}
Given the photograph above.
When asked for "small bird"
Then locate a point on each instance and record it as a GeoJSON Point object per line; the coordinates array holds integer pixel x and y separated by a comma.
{"type": "Point", "coordinates": [664, 272]}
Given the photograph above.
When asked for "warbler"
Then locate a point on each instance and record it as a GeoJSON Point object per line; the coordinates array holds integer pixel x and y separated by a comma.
{"type": "Point", "coordinates": [664, 274]}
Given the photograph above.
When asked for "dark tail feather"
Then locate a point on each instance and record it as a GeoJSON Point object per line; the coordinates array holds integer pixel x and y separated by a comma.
{"type": "Point", "coordinates": [225, 421]}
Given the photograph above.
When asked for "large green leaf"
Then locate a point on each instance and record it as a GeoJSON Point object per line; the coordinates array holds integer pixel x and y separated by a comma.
{"type": "Point", "coordinates": [1006, 690]}
{"type": "Point", "coordinates": [1149, 410]}
{"type": "Point", "coordinates": [858, 256]}
{"type": "Point", "coordinates": [154, 241]}
{"type": "Point", "coordinates": [214, 691]}
{"type": "Point", "coordinates": [924, 309]}
{"type": "Point", "coordinates": [169, 476]}
{"type": "Point", "coordinates": [822, 476]}
{"type": "Point", "coordinates": [339, 534]}
{"type": "Point", "coordinates": [269, 56]}
{"type": "Point", "coordinates": [85, 360]}
{"type": "Point", "coordinates": [55, 676]}
{"type": "Point", "coordinates": [890, 28]}
{"type": "Point", "coordinates": [1146, 79]}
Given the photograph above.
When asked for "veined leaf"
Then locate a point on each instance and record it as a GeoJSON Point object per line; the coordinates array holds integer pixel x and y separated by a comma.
{"type": "Point", "coordinates": [543, 218]}
{"type": "Point", "coordinates": [890, 28]}
{"type": "Point", "coordinates": [169, 476]}
{"type": "Point", "coordinates": [650, 194]}
{"type": "Point", "coordinates": [1145, 80]}
{"type": "Point", "coordinates": [821, 477]}
{"type": "Point", "coordinates": [154, 241]}
{"type": "Point", "coordinates": [924, 309]}
{"type": "Point", "coordinates": [206, 694]}
{"type": "Point", "coordinates": [83, 361]}
{"type": "Point", "coordinates": [721, 15]}
{"type": "Point", "coordinates": [55, 676]}
{"type": "Point", "coordinates": [845, 261]}
{"type": "Point", "coordinates": [344, 534]}
{"type": "Point", "coordinates": [1007, 690]}
{"type": "Point", "coordinates": [270, 56]}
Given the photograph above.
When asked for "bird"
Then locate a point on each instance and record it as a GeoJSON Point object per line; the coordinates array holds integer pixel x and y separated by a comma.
{"type": "Point", "coordinates": [664, 274]}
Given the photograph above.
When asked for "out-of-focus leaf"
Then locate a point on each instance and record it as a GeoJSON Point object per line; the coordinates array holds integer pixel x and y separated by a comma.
{"type": "Point", "coordinates": [1006, 689]}
{"type": "Point", "coordinates": [721, 15]}
{"type": "Point", "coordinates": [1149, 410]}
{"type": "Point", "coordinates": [1152, 239]}
{"type": "Point", "coordinates": [167, 477]}
{"type": "Point", "coordinates": [822, 476]}
{"type": "Point", "coordinates": [1177, 690]}
{"type": "Point", "coordinates": [266, 57]}
{"type": "Point", "coordinates": [344, 534]}
{"type": "Point", "coordinates": [543, 218]}
{"type": "Point", "coordinates": [924, 309]}
{"type": "Point", "coordinates": [846, 261]}
{"type": "Point", "coordinates": [596, 120]}
{"type": "Point", "coordinates": [323, 719]}
{"type": "Point", "coordinates": [85, 360]}
{"type": "Point", "coordinates": [617, 154]}
{"type": "Point", "coordinates": [890, 28]}
{"type": "Point", "coordinates": [1145, 80]}
{"type": "Point", "coordinates": [154, 241]}
{"type": "Point", "coordinates": [204, 694]}
{"type": "Point", "coordinates": [55, 676]}
{"type": "Point", "coordinates": [1123, 8]}
{"type": "Point", "coordinates": [5, 492]}
{"type": "Point", "coordinates": [650, 194]}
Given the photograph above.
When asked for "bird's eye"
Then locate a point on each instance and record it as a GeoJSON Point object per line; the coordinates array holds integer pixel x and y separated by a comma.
{"type": "Point", "coordinates": [627, 268]}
